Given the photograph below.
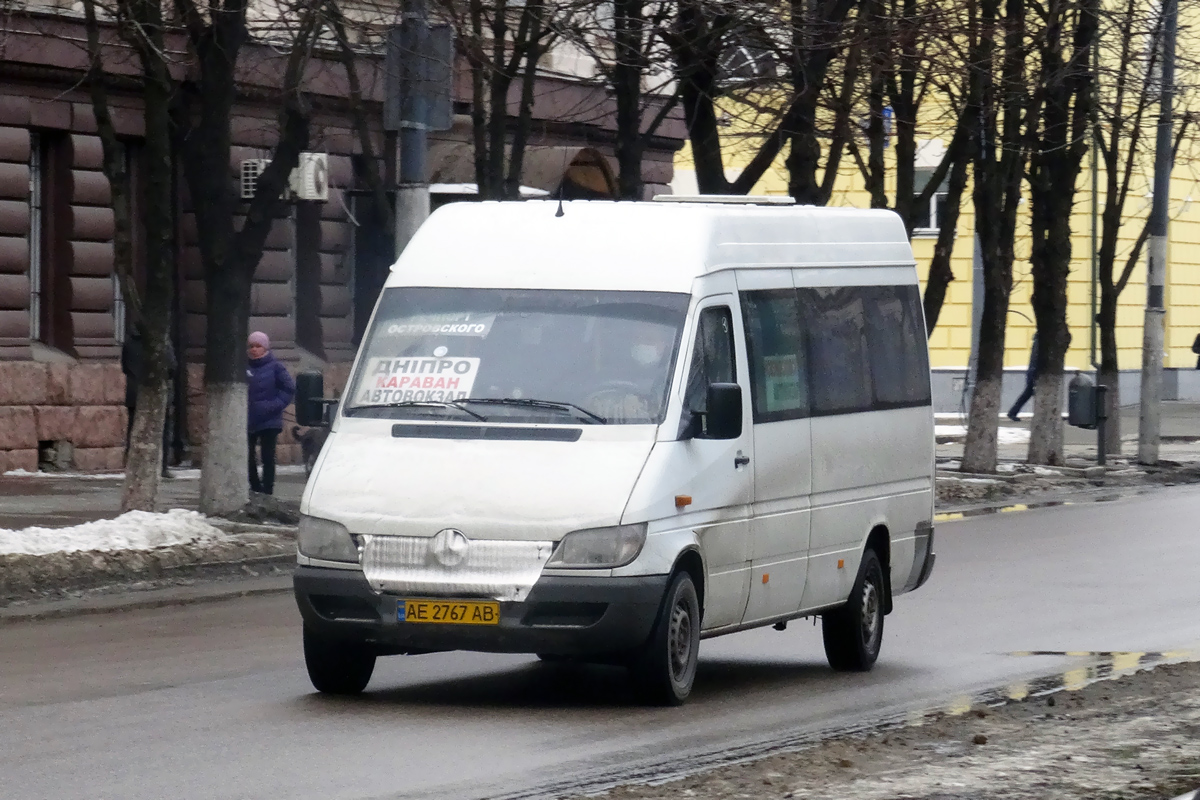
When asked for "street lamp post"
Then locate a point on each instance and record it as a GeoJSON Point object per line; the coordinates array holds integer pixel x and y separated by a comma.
{"type": "Point", "coordinates": [1150, 417]}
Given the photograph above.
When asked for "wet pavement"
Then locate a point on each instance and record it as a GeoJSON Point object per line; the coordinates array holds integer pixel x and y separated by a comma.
{"type": "Point", "coordinates": [219, 691]}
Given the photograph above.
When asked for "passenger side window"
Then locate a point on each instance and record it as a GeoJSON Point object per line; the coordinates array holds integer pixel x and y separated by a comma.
{"type": "Point", "coordinates": [896, 340]}
{"type": "Point", "coordinates": [775, 340]}
{"type": "Point", "coordinates": [713, 358]}
{"type": "Point", "coordinates": [839, 367]}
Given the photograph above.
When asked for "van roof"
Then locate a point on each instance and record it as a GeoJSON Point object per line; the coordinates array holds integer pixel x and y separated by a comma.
{"type": "Point", "coordinates": [637, 246]}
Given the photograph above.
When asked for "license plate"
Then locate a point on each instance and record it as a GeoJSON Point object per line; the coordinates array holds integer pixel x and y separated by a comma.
{"type": "Point", "coordinates": [449, 612]}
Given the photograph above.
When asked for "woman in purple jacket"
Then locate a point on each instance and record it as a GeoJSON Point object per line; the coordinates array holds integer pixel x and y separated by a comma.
{"type": "Point", "coordinates": [270, 390]}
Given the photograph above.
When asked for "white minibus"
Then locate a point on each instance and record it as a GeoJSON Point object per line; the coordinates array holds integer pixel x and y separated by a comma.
{"type": "Point", "coordinates": [605, 431]}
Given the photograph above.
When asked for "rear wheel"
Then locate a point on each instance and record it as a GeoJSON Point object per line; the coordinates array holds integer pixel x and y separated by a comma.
{"type": "Point", "coordinates": [853, 634]}
{"type": "Point", "coordinates": [664, 669]}
{"type": "Point", "coordinates": [337, 666]}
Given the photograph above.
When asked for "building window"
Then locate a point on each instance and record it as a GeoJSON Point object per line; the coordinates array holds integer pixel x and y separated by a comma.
{"type": "Point", "coordinates": [50, 219]}
{"type": "Point", "coordinates": [839, 356]}
{"type": "Point", "coordinates": [927, 216]}
{"type": "Point", "coordinates": [775, 339]}
{"type": "Point", "coordinates": [712, 358]}
{"type": "Point", "coordinates": [36, 169]}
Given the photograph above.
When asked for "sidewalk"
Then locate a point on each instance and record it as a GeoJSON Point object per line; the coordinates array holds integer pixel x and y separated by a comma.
{"type": "Point", "coordinates": [56, 501]}
{"type": "Point", "coordinates": [1180, 431]}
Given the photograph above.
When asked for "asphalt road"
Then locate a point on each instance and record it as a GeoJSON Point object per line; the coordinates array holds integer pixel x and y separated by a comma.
{"type": "Point", "coordinates": [212, 701]}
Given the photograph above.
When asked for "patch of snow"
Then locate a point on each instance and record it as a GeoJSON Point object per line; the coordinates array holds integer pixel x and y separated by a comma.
{"type": "Point", "coordinates": [949, 430]}
{"type": "Point", "coordinates": [951, 464]}
{"type": "Point", "coordinates": [1046, 471]}
{"type": "Point", "coordinates": [985, 481]}
{"type": "Point", "coordinates": [1012, 435]}
{"type": "Point", "coordinates": [133, 530]}
{"type": "Point", "coordinates": [90, 476]}
{"type": "Point", "coordinates": [1006, 468]}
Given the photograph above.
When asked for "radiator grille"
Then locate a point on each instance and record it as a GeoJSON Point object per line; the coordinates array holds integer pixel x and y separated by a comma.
{"type": "Point", "coordinates": [495, 569]}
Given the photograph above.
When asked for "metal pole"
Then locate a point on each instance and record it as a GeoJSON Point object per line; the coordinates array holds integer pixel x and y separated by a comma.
{"type": "Point", "coordinates": [412, 193]}
{"type": "Point", "coordinates": [1101, 424]}
{"type": "Point", "coordinates": [1150, 417]}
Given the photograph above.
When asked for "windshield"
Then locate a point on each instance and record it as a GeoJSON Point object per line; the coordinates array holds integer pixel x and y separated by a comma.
{"type": "Point", "coordinates": [519, 356]}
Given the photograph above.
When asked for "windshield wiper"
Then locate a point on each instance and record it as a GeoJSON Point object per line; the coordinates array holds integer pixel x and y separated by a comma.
{"type": "Point", "coordinates": [528, 402]}
{"type": "Point", "coordinates": [424, 404]}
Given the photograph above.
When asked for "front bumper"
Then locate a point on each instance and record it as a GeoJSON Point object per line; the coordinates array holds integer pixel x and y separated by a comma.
{"type": "Point", "coordinates": [561, 616]}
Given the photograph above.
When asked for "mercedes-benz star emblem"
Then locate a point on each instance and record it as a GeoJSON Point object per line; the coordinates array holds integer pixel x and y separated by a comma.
{"type": "Point", "coordinates": [449, 547]}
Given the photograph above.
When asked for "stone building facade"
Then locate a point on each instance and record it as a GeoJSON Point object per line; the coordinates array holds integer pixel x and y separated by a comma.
{"type": "Point", "coordinates": [62, 321]}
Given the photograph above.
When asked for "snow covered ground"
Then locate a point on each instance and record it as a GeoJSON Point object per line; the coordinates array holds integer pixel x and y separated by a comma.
{"type": "Point", "coordinates": [134, 530]}
{"type": "Point", "coordinates": [1004, 435]}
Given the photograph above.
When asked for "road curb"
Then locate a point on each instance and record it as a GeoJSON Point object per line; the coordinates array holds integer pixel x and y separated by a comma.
{"type": "Point", "coordinates": [148, 598]}
{"type": "Point", "coordinates": [1190, 796]}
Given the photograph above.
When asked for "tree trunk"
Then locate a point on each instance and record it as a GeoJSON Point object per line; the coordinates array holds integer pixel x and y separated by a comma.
{"type": "Point", "coordinates": [1051, 265]}
{"type": "Point", "coordinates": [146, 458]}
{"type": "Point", "coordinates": [151, 311]}
{"type": "Point", "coordinates": [1065, 84]}
{"type": "Point", "coordinates": [231, 255]}
{"type": "Point", "coordinates": [994, 204]}
{"type": "Point", "coordinates": [629, 40]}
{"type": "Point", "coordinates": [696, 56]}
{"type": "Point", "coordinates": [1110, 372]}
{"type": "Point", "coordinates": [980, 448]}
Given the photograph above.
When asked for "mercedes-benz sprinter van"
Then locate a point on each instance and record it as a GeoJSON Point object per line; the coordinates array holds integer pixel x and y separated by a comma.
{"type": "Point", "coordinates": [608, 430]}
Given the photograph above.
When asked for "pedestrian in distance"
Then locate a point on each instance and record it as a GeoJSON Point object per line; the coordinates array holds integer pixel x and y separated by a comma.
{"type": "Point", "coordinates": [270, 390]}
{"type": "Point", "coordinates": [1196, 349]}
{"type": "Point", "coordinates": [133, 365]}
{"type": "Point", "coordinates": [1031, 375]}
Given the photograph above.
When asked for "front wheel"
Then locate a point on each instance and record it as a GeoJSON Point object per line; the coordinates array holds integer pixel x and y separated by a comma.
{"type": "Point", "coordinates": [337, 666]}
{"type": "Point", "coordinates": [664, 669]}
{"type": "Point", "coordinates": [853, 634]}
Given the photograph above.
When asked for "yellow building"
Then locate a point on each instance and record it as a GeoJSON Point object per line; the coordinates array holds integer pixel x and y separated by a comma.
{"type": "Point", "coordinates": [950, 344]}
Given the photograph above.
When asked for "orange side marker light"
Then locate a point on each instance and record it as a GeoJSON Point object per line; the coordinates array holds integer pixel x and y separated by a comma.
{"type": "Point", "coordinates": [841, 563]}
{"type": "Point", "coordinates": [766, 577]}
{"type": "Point", "coordinates": [683, 500]}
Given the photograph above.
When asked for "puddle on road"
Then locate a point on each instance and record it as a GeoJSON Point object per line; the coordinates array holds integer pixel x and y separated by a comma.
{"type": "Point", "coordinates": [1108, 664]}
{"type": "Point", "coordinates": [1104, 665]}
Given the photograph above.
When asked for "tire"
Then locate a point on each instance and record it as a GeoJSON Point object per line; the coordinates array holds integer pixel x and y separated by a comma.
{"type": "Point", "coordinates": [664, 668]}
{"type": "Point", "coordinates": [337, 666]}
{"type": "Point", "coordinates": [853, 634]}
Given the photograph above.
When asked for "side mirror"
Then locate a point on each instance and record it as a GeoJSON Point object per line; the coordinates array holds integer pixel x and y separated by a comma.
{"type": "Point", "coordinates": [310, 388]}
{"type": "Point", "coordinates": [723, 419]}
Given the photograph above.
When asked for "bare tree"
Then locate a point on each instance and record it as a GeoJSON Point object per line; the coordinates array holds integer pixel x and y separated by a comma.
{"type": "Point", "coordinates": [807, 36]}
{"type": "Point", "coordinates": [1058, 136]}
{"type": "Point", "coordinates": [1122, 132]}
{"type": "Point", "coordinates": [626, 41]}
{"type": "Point", "coordinates": [140, 24]}
{"type": "Point", "coordinates": [999, 156]}
{"type": "Point", "coordinates": [503, 42]}
{"type": "Point", "coordinates": [229, 253]}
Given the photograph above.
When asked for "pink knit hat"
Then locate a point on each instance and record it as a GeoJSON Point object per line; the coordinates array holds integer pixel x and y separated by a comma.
{"type": "Point", "coordinates": [261, 339]}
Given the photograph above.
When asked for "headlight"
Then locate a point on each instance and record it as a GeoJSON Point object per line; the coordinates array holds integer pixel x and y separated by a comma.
{"type": "Point", "coordinates": [599, 548]}
{"type": "Point", "coordinates": [325, 539]}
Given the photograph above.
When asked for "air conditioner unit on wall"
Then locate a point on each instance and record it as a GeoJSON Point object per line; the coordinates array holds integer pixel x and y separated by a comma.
{"type": "Point", "coordinates": [251, 169]}
{"type": "Point", "coordinates": [308, 181]}
{"type": "Point", "coordinates": [310, 178]}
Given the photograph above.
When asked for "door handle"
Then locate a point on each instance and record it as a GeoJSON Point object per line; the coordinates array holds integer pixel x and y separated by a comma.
{"type": "Point", "coordinates": [740, 460]}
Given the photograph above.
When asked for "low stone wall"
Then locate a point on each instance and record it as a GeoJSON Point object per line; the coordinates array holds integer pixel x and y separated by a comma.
{"type": "Point", "coordinates": [82, 405]}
